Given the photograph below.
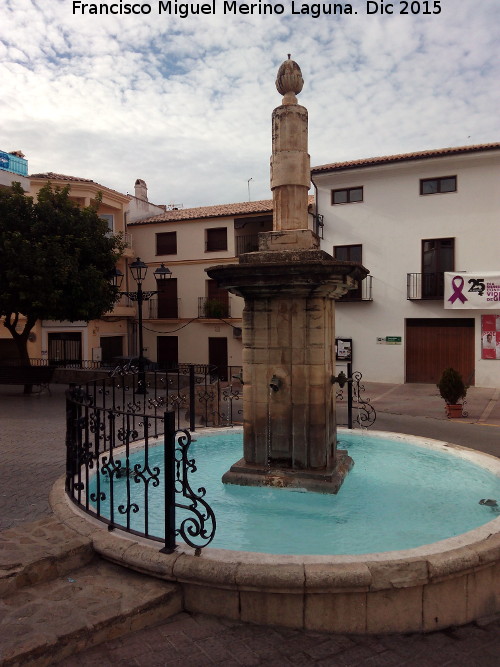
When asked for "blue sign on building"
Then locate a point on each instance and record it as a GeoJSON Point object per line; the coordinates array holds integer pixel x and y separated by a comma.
{"type": "Point", "coordinates": [4, 160]}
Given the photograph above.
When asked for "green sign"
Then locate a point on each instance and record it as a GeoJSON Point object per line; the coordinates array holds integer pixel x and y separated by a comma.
{"type": "Point", "coordinates": [395, 340]}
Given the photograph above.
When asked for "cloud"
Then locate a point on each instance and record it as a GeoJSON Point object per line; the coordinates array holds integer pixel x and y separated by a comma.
{"type": "Point", "coordinates": [185, 104]}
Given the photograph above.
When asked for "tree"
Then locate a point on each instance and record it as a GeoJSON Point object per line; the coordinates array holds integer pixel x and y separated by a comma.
{"type": "Point", "coordinates": [55, 261]}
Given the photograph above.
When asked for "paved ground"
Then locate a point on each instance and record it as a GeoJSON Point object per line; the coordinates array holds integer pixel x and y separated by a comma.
{"type": "Point", "coordinates": [32, 457]}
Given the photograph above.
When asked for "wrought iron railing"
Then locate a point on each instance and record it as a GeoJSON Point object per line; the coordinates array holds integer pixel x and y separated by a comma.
{"type": "Point", "coordinates": [351, 405]}
{"type": "Point", "coordinates": [109, 477]}
{"type": "Point", "coordinates": [213, 308]}
{"type": "Point", "coordinates": [362, 293]}
{"type": "Point", "coordinates": [246, 243]}
{"type": "Point", "coordinates": [424, 286]}
{"type": "Point", "coordinates": [164, 308]}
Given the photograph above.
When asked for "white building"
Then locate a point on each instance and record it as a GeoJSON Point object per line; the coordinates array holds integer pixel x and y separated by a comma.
{"type": "Point", "coordinates": [410, 218]}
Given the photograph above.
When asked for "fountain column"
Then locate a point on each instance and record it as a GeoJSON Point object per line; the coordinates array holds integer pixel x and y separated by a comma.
{"type": "Point", "coordinates": [289, 286]}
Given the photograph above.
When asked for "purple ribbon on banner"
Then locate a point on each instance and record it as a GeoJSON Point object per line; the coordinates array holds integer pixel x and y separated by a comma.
{"type": "Point", "coordinates": [457, 290]}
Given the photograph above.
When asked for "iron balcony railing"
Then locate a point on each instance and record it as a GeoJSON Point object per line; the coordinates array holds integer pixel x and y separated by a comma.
{"type": "Point", "coordinates": [164, 309]}
{"type": "Point", "coordinates": [422, 286]}
{"type": "Point", "coordinates": [362, 293]}
{"type": "Point", "coordinates": [124, 236]}
{"type": "Point", "coordinates": [246, 243]}
{"type": "Point", "coordinates": [213, 308]}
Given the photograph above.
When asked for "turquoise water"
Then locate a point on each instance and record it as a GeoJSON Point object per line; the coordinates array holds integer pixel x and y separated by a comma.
{"type": "Point", "coordinates": [397, 496]}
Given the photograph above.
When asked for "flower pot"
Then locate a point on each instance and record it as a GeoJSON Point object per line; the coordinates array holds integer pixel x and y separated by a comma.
{"type": "Point", "coordinates": [454, 411]}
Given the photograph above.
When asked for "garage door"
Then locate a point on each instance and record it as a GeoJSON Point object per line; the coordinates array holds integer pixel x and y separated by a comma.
{"type": "Point", "coordinates": [435, 344]}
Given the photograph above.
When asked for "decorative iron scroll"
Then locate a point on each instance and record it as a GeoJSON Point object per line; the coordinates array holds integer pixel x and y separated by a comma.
{"type": "Point", "coordinates": [201, 523]}
{"type": "Point", "coordinates": [359, 410]}
{"type": "Point", "coordinates": [365, 414]}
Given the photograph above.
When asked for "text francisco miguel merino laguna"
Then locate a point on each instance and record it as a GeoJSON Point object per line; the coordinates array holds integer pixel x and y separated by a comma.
{"type": "Point", "coordinates": [186, 9]}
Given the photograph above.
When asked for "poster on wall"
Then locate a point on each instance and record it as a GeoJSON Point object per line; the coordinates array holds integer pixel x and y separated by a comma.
{"type": "Point", "coordinates": [490, 336]}
{"type": "Point", "coordinates": [343, 349]}
{"type": "Point", "coordinates": [463, 291]}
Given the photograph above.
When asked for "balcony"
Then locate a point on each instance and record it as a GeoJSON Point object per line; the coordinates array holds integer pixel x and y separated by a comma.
{"type": "Point", "coordinates": [127, 240]}
{"type": "Point", "coordinates": [425, 286]}
{"type": "Point", "coordinates": [213, 309]}
{"type": "Point", "coordinates": [124, 307]}
{"type": "Point", "coordinates": [362, 293]}
{"type": "Point", "coordinates": [163, 309]}
{"type": "Point", "coordinates": [246, 243]}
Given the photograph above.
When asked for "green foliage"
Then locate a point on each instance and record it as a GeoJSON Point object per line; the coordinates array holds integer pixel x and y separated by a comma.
{"type": "Point", "coordinates": [214, 309]}
{"type": "Point", "coordinates": [451, 386]}
{"type": "Point", "coordinates": [55, 259]}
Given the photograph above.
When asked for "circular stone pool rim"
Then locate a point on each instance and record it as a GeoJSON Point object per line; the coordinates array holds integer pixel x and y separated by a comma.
{"type": "Point", "coordinates": [450, 582]}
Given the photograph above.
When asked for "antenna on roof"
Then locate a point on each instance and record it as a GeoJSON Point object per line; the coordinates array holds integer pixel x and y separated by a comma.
{"type": "Point", "coordinates": [248, 184]}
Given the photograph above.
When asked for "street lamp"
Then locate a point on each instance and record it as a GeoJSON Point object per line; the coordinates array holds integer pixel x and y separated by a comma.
{"type": "Point", "coordinates": [139, 269]}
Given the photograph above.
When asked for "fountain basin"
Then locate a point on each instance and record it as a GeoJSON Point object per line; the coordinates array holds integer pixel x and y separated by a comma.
{"type": "Point", "coordinates": [450, 582]}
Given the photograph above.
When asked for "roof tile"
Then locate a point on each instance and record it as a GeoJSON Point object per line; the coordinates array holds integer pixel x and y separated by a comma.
{"type": "Point", "coordinates": [403, 157]}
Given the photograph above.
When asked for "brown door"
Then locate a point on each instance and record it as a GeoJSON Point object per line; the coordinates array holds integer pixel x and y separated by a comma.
{"type": "Point", "coordinates": [167, 352]}
{"type": "Point", "coordinates": [111, 347]}
{"type": "Point", "coordinates": [167, 298]}
{"type": "Point", "coordinates": [217, 355]}
{"type": "Point", "coordinates": [435, 344]}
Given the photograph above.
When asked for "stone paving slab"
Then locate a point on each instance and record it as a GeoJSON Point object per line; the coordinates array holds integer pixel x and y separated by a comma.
{"type": "Point", "coordinates": [188, 640]}
{"type": "Point", "coordinates": [36, 552]}
{"type": "Point", "coordinates": [42, 624]}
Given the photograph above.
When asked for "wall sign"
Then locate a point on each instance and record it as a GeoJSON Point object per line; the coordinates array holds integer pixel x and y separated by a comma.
{"type": "Point", "coordinates": [390, 340]}
{"type": "Point", "coordinates": [490, 336]}
{"type": "Point", "coordinates": [463, 291]}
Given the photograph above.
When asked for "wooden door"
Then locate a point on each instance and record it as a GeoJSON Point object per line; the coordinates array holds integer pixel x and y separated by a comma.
{"type": "Point", "coordinates": [167, 352]}
{"type": "Point", "coordinates": [111, 347]}
{"type": "Point", "coordinates": [435, 344]}
{"type": "Point", "coordinates": [167, 298]}
{"type": "Point", "coordinates": [217, 355]}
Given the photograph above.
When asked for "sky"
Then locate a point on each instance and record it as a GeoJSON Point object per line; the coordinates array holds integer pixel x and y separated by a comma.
{"type": "Point", "coordinates": [185, 103]}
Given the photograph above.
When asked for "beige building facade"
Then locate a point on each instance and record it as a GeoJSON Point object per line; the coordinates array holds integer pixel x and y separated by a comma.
{"type": "Point", "coordinates": [192, 320]}
{"type": "Point", "coordinates": [71, 343]}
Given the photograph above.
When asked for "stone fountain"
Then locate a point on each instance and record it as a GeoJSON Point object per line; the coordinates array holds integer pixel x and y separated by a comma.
{"type": "Point", "coordinates": [289, 286]}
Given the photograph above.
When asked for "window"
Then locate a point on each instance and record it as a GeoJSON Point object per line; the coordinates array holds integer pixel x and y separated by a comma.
{"type": "Point", "coordinates": [438, 256]}
{"type": "Point", "coordinates": [109, 218]}
{"type": "Point", "coordinates": [166, 243]}
{"type": "Point", "coordinates": [216, 239]}
{"type": "Point", "coordinates": [432, 186]}
{"type": "Point", "coordinates": [347, 195]}
{"type": "Point", "coordinates": [350, 253]}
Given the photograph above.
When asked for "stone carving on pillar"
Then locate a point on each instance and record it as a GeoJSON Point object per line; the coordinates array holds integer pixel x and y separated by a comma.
{"type": "Point", "coordinates": [289, 286]}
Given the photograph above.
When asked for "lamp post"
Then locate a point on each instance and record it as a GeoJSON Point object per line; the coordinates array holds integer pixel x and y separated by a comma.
{"type": "Point", "coordinates": [139, 269]}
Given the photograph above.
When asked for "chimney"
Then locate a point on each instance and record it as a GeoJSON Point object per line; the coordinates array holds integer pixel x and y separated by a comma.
{"type": "Point", "coordinates": [141, 189]}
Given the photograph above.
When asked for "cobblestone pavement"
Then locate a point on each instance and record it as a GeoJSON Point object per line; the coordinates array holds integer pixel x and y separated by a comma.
{"type": "Point", "coordinates": [32, 457]}
{"type": "Point", "coordinates": [197, 641]}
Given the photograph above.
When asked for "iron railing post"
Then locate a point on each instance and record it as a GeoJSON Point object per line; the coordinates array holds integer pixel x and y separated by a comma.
{"type": "Point", "coordinates": [71, 418]}
{"type": "Point", "coordinates": [349, 395]}
{"type": "Point", "coordinates": [169, 465]}
{"type": "Point", "coordinates": [192, 407]}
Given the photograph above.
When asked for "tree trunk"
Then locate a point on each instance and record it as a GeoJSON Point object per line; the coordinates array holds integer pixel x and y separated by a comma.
{"type": "Point", "coordinates": [21, 341]}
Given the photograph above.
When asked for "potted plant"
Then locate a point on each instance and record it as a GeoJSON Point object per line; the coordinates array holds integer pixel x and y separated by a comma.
{"type": "Point", "coordinates": [452, 388]}
{"type": "Point", "coordinates": [215, 309]}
